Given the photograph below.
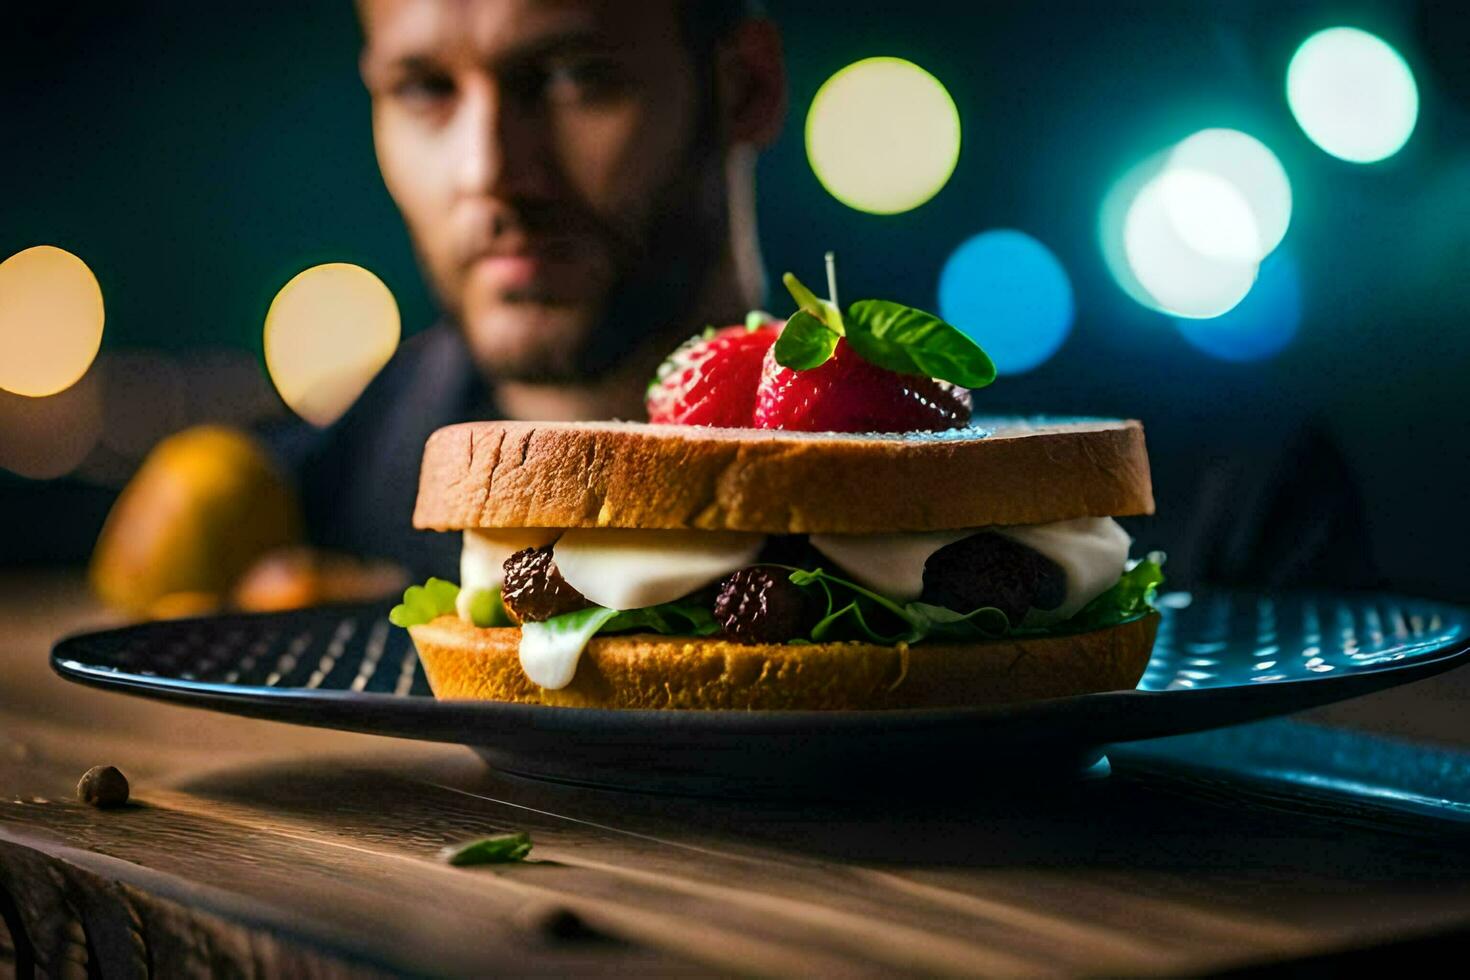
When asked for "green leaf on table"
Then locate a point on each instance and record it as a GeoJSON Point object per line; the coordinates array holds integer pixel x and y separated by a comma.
{"type": "Point", "coordinates": [909, 341]}
{"type": "Point", "coordinates": [499, 849]}
{"type": "Point", "coordinates": [424, 603]}
{"type": "Point", "coordinates": [805, 342]}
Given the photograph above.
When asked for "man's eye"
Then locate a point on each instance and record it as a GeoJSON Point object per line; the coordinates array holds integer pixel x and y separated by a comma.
{"type": "Point", "coordinates": [424, 91]}
{"type": "Point", "coordinates": [584, 80]}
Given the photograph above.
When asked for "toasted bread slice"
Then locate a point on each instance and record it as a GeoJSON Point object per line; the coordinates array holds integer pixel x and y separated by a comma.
{"type": "Point", "coordinates": [633, 475]}
{"type": "Point", "coordinates": [647, 671]}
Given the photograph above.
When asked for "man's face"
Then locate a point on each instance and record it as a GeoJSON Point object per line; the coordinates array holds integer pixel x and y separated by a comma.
{"type": "Point", "coordinates": [548, 156]}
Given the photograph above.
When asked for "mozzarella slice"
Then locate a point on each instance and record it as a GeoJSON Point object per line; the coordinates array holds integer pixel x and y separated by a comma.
{"type": "Point", "coordinates": [550, 653]}
{"type": "Point", "coordinates": [630, 569]}
{"type": "Point", "coordinates": [1092, 551]}
{"type": "Point", "coordinates": [482, 560]}
{"type": "Point", "coordinates": [889, 564]}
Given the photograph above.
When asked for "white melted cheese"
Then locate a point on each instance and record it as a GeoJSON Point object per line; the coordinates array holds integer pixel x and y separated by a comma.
{"type": "Point", "coordinates": [630, 569]}
{"type": "Point", "coordinates": [890, 564]}
{"type": "Point", "coordinates": [482, 561]}
{"type": "Point", "coordinates": [550, 654]}
{"type": "Point", "coordinates": [1091, 552]}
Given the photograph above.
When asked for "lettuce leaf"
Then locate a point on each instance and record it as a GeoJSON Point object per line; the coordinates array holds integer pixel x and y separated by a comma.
{"type": "Point", "coordinates": [424, 603]}
{"type": "Point", "coordinates": [848, 611]}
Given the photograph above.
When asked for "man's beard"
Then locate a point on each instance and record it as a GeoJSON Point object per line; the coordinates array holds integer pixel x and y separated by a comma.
{"type": "Point", "coordinates": [660, 274]}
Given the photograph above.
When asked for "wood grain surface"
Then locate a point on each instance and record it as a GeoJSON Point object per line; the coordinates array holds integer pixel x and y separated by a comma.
{"type": "Point", "coordinates": [257, 849]}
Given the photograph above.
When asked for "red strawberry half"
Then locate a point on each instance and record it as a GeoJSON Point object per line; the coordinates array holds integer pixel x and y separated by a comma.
{"type": "Point", "coordinates": [848, 394]}
{"type": "Point", "coordinates": [712, 380]}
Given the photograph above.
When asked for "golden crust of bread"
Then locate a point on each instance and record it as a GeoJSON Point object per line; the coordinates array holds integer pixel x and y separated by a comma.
{"type": "Point", "coordinates": [647, 671]}
{"type": "Point", "coordinates": [624, 474]}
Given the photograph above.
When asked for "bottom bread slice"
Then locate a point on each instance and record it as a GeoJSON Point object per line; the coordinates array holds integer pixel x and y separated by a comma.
{"type": "Point", "coordinates": [650, 671]}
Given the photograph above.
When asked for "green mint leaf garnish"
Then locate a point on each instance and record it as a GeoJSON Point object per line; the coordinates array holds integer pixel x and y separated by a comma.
{"type": "Point", "coordinates": [424, 603]}
{"type": "Point", "coordinates": [805, 342]}
{"type": "Point", "coordinates": [909, 341]}
{"type": "Point", "coordinates": [810, 302]}
{"type": "Point", "coordinates": [500, 849]}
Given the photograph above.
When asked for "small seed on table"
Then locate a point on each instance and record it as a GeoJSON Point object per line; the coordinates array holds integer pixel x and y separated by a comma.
{"type": "Point", "coordinates": [103, 787]}
{"type": "Point", "coordinates": [554, 922]}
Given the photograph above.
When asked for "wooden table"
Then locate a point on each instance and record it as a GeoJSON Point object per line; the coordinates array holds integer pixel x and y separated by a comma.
{"type": "Point", "coordinates": [262, 849]}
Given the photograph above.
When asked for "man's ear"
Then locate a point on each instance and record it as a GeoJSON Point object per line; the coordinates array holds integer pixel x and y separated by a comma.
{"type": "Point", "coordinates": [751, 81]}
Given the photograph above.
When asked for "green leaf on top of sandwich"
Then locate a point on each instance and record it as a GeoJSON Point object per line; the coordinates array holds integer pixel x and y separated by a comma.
{"type": "Point", "coordinates": [889, 335]}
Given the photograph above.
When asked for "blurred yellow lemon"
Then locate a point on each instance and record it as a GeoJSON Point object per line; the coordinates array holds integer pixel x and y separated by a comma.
{"type": "Point", "coordinates": [184, 605]}
{"type": "Point", "coordinates": [206, 503]}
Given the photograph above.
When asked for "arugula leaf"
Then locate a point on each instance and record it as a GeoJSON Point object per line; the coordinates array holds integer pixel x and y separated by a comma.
{"type": "Point", "coordinates": [851, 610]}
{"type": "Point", "coordinates": [805, 342]}
{"type": "Point", "coordinates": [909, 341]}
{"type": "Point", "coordinates": [499, 849]}
{"type": "Point", "coordinates": [689, 616]}
{"type": "Point", "coordinates": [810, 302]}
{"type": "Point", "coordinates": [424, 603]}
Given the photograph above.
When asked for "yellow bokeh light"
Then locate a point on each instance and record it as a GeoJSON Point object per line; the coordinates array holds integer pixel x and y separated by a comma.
{"type": "Point", "coordinates": [883, 135]}
{"type": "Point", "coordinates": [329, 331]}
{"type": "Point", "coordinates": [50, 321]}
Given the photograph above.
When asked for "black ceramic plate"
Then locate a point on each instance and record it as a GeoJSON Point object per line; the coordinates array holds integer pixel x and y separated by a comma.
{"type": "Point", "coordinates": [1221, 659]}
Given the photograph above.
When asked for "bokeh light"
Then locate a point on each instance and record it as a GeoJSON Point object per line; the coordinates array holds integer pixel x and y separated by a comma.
{"type": "Point", "coordinates": [1179, 279]}
{"type": "Point", "coordinates": [1253, 170]}
{"type": "Point", "coordinates": [1352, 94]}
{"type": "Point", "coordinates": [1008, 292]}
{"type": "Point", "coordinates": [329, 331]}
{"type": "Point", "coordinates": [50, 321]}
{"type": "Point", "coordinates": [1184, 231]}
{"type": "Point", "coordinates": [1261, 325]}
{"type": "Point", "coordinates": [883, 135]}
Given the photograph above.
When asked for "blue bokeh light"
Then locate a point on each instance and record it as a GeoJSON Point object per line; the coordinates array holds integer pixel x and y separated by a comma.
{"type": "Point", "coordinates": [1010, 294]}
{"type": "Point", "coordinates": [1264, 322]}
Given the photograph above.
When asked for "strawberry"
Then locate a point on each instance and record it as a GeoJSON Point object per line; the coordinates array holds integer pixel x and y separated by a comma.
{"type": "Point", "coordinates": [848, 394]}
{"type": "Point", "coordinates": [711, 379]}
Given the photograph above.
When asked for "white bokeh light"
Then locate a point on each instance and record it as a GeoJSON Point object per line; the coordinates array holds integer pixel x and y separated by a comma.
{"type": "Point", "coordinates": [883, 135]}
{"type": "Point", "coordinates": [1352, 94]}
{"type": "Point", "coordinates": [1252, 169]}
{"type": "Point", "coordinates": [1180, 279]}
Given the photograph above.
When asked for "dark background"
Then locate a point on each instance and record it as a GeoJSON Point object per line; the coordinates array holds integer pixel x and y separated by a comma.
{"type": "Point", "coordinates": [197, 156]}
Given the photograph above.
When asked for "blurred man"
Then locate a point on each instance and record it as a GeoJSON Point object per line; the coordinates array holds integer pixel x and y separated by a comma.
{"type": "Point", "coordinates": [577, 177]}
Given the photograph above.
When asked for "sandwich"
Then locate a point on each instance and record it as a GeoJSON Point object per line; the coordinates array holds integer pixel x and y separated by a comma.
{"type": "Point", "coordinates": [812, 519]}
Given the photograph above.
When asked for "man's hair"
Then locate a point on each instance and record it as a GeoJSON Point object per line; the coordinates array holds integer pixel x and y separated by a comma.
{"type": "Point", "coordinates": [707, 22]}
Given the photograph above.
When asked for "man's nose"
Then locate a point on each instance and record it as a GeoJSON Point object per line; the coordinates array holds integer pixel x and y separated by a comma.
{"type": "Point", "coordinates": [497, 147]}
